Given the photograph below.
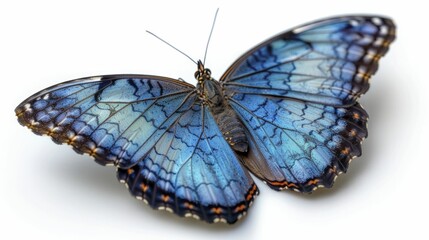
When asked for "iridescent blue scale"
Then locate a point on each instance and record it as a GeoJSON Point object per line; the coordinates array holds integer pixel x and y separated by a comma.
{"type": "Point", "coordinates": [286, 111]}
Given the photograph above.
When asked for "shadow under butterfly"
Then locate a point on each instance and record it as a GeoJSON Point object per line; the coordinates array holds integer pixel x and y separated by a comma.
{"type": "Point", "coordinates": [286, 111]}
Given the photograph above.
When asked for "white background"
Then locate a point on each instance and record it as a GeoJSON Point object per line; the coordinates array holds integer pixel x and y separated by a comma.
{"type": "Point", "coordinates": [48, 191]}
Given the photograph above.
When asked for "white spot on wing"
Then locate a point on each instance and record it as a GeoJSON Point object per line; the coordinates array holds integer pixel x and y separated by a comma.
{"type": "Point", "coordinates": [377, 21]}
{"type": "Point", "coordinates": [97, 78]}
{"type": "Point", "coordinates": [384, 30]}
{"type": "Point", "coordinates": [379, 41]}
{"type": "Point", "coordinates": [354, 22]}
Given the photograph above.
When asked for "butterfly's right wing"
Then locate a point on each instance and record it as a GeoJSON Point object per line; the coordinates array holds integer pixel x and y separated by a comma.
{"type": "Point", "coordinates": [328, 62]}
{"type": "Point", "coordinates": [297, 94]}
{"type": "Point", "coordinates": [164, 142]}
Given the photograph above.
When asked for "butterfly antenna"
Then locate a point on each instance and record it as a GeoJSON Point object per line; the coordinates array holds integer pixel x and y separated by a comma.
{"type": "Point", "coordinates": [171, 46]}
{"type": "Point", "coordinates": [210, 36]}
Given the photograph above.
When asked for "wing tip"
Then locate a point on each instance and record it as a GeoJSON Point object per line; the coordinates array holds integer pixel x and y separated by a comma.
{"type": "Point", "coordinates": [41, 124]}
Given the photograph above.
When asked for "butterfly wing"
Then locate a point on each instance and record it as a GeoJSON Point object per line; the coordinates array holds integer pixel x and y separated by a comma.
{"type": "Point", "coordinates": [296, 144]}
{"type": "Point", "coordinates": [296, 94]}
{"type": "Point", "coordinates": [165, 144]}
{"type": "Point", "coordinates": [192, 171]}
{"type": "Point", "coordinates": [328, 62]}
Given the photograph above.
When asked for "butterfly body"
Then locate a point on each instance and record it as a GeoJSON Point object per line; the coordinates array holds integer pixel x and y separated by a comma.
{"type": "Point", "coordinates": [286, 111]}
{"type": "Point", "coordinates": [211, 93]}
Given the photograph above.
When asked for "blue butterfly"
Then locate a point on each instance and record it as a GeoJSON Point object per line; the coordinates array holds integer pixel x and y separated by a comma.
{"type": "Point", "coordinates": [286, 111]}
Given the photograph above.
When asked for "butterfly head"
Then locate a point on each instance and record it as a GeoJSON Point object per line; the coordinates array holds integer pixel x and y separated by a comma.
{"type": "Point", "coordinates": [202, 73]}
{"type": "Point", "coordinates": [208, 89]}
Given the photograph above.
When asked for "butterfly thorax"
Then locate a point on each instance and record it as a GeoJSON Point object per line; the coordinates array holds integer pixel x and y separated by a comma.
{"type": "Point", "coordinates": [211, 94]}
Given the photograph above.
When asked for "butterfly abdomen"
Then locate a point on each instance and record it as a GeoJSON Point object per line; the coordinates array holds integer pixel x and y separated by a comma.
{"type": "Point", "coordinates": [227, 120]}
{"type": "Point", "coordinates": [232, 129]}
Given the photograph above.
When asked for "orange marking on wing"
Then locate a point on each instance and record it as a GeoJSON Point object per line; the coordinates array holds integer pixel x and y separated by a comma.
{"type": "Point", "coordinates": [165, 198]}
{"type": "Point", "coordinates": [93, 152]}
{"type": "Point", "coordinates": [313, 182]}
{"type": "Point", "coordinates": [367, 76]}
{"type": "Point", "coordinates": [240, 208]}
{"type": "Point", "coordinates": [278, 183]}
{"type": "Point", "coordinates": [217, 210]}
{"type": "Point", "coordinates": [345, 151]}
{"type": "Point", "coordinates": [281, 184]}
{"type": "Point", "coordinates": [189, 205]}
{"type": "Point", "coordinates": [251, 193]}
{"type": "Point", "coordinates": [130, 171]}
{"type": "Point", "coordinates": [144, 187]}
{"type": "Point", "coordinates": [364, 76]}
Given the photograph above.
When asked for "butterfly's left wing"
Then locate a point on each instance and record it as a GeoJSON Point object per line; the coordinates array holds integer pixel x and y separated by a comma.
{"type": "Point", "coordinates": [296, 93]}
{"type": "Point", "coordinates": [164, 142]}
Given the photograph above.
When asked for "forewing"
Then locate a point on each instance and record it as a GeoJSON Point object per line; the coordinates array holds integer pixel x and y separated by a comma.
{"type": "Point", "coordinates": [328, 62]}
{"type": "Point", "coordinates": [166, 146]}
{"type": "Point", "coordinates": [299, 145]}
{"type": "Point", "coordinates": [116, 119]}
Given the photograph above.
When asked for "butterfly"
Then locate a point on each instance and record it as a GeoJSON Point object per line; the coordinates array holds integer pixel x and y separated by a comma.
{"type": "Point", "coordinates": [286, 111]}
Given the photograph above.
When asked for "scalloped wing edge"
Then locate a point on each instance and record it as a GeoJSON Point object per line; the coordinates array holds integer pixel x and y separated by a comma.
{"type": "Point", "coordinates": [159, 199]}
{"type": "Point", "coordinates": [331, 172]}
